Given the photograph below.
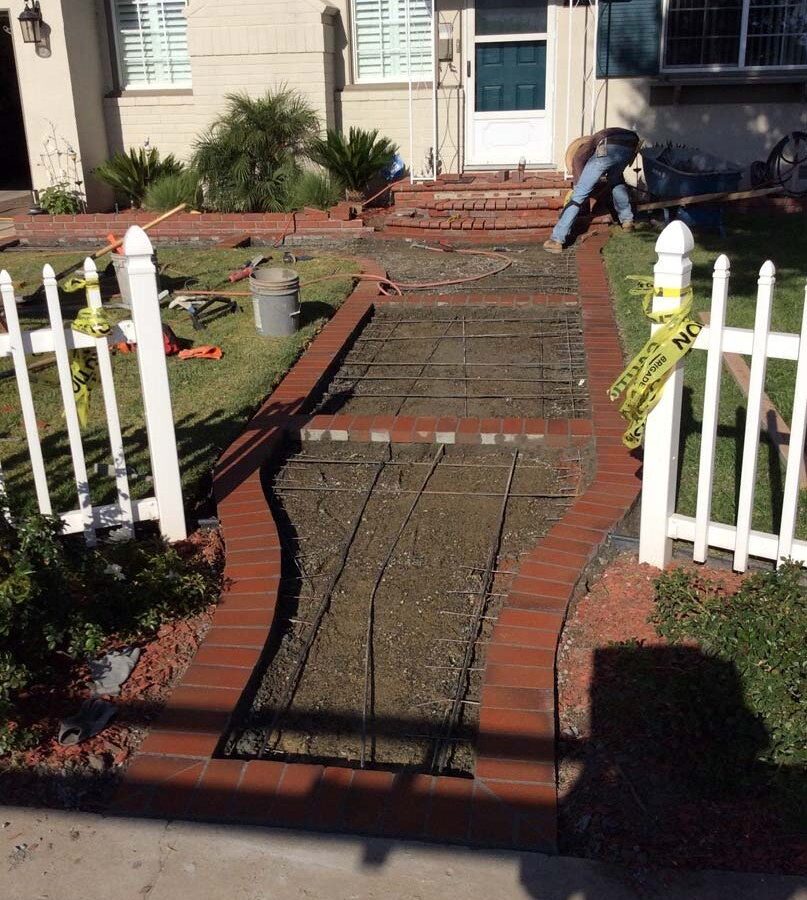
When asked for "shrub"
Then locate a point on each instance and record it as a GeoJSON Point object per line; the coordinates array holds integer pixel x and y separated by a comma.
{"type": "Point", "coordinates": [314, 189]}
{"type": "Point", "coordinates": [248, 157]}
{"type": "Point", "coordinates": [60, 600]}
{"type": "Point", "coordinates": [354, 160]}
{"type": "Point", "coordinates": [130, 174]}
{"type": "Point", "coordinates": [168, 191]}
{"type": "Point", "coordinates": [761, 630]}
{"type": "Point", "coordinates": [59, 199]}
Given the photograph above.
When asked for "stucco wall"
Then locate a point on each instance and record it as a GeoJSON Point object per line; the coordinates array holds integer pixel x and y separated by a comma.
{"type": "Point", "coordinates": [742, 132]}
{"type": "Point", "coordinates": [61, 93]}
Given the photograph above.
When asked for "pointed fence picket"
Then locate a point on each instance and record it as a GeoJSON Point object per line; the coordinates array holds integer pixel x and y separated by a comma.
{"type": "Point", "coordinates": [166, 506]}
{"type": "Point", "coordinates": [660, 524]}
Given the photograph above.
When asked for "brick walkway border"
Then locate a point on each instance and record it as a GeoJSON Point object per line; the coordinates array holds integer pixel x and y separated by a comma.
{"type": "Point", "coordinates": [511, 801]}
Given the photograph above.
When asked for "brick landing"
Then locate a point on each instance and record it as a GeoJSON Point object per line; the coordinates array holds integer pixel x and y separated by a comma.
{"type": "Point", "coordinates": [511, 800]}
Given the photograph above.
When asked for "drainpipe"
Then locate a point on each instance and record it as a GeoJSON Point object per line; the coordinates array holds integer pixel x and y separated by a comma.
{"type": "Point", "coordinates": [411, 113]}
{"type": "Point", "coordinates": [435, 80]}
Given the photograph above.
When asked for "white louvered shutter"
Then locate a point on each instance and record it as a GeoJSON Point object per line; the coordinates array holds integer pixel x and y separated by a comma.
{"type": "Point", "coordinates": [380, 29]}
{"type": "Point", "coordinates": [152, 40]}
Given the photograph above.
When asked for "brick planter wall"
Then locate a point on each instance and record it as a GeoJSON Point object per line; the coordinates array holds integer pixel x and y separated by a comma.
{"type": "Point", "coordinates": [210, 227]}
{"type": "Point", "coordinates": [511, 801]}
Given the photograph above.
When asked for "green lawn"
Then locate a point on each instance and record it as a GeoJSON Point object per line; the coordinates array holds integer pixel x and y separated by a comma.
{"type": "Point", "coordinates": [211, 399]}
{"type": "Point", "coordinates": [750, 241]}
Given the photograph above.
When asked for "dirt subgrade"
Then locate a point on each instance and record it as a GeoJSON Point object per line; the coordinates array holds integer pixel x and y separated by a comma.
{"type": "Point", "coordinates": [476, 361]}
{"type": "Point", "coordinates": [422, 608]}
{"type": "Point", "coordinates": [532, 269]}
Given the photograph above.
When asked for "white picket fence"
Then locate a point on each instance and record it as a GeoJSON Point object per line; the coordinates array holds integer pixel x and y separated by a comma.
{"type": "Point", "coordinates": [660, 524]}
{"type": "Point", "coordinates": [145, 329]}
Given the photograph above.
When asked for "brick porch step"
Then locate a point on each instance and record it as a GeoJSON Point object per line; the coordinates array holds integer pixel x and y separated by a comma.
{"type": "Point", "coordinates": [488, 204]}
{"type": "Point", "coordinates": [500, 221]}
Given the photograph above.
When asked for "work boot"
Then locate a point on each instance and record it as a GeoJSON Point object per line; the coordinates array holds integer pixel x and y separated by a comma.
{"type": "Point", "coordinates": [629, 226]}
{"type": "Point", "coordinates": [553, 246]}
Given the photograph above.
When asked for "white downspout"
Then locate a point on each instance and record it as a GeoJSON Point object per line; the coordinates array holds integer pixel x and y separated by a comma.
{"type": "Point", "coordinates": [569, 24]}
{"type": "Point", "coordinates": [411, 110]}
{"type": "Point", "coordinates": [595, 60]}
{"type": "Point", "coordinates": [435, 79]}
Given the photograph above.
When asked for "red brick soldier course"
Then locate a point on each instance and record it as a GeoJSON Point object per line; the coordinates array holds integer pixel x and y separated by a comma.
{"type": "Point", "coordinates": [511, 800]}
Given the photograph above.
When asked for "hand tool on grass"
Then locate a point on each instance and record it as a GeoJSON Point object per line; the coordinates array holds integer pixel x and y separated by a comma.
{"type": "Point", "coordinates": [247, 269]}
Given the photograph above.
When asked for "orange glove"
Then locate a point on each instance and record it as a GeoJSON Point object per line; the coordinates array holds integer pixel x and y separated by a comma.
{"type": "Point", "coordinates": [206, 351]}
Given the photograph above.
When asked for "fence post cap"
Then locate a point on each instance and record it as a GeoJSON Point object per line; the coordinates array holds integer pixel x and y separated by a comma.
{"type": "Point", "coordinates": [768, 270]}
{"type": "Point", "coordinates": [722, 263]}
{"type": "Point", "coordinates": [136, 242]}
{"type": "Point", "coordinates": [676, 238]}
{"type": "Point", "coordinates": [5, 278]}
{"type": "Point", "coordinates": [89, 265]}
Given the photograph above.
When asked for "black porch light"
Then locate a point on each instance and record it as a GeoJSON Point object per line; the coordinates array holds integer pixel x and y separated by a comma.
{"type": "Point", "coordinates": [31, 22]}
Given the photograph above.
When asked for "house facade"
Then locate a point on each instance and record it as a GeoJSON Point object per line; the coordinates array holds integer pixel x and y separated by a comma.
{"type": "Point", "coordinates": [470, 83]}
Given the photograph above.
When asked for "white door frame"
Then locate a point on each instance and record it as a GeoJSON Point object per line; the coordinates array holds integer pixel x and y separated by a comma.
{"type": "Point", "coordinates": [474, 156]}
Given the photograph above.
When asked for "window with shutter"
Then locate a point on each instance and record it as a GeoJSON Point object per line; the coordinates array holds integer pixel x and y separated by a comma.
{"type": "Point", "coordinates": [628, 38]}
{"type": "Point", "coordinates": [379, 39]}
{"type": "Point", "coordinates": [151, 37]}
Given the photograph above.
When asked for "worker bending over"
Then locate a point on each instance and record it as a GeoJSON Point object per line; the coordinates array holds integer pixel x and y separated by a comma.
{"type": "Point", "coordinates": [607, 153]}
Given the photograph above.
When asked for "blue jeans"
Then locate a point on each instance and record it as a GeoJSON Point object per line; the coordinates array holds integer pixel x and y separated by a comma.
{"type": "Point", "coordinates": [612, 165]}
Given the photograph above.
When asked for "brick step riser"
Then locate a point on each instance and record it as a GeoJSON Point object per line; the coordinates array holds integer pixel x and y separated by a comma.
{"type": "Point", "coordinates": [490, 207]}
{"type": "Point", "coordinates": [497, 223]}
{"type": "Point", "coordinates": [556, 182]}
{"type": "Point", "coordinates": [429, 199]}
{"type": "Point", "coordinates": [544, 213]}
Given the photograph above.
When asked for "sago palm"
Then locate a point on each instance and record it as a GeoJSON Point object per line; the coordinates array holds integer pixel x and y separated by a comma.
{"type": "Point", "coordinates": [248, 156]}
{"type": "Point", "coordinates": [354, 160]}
{"type": "Point", "coordinates": [130, 174]}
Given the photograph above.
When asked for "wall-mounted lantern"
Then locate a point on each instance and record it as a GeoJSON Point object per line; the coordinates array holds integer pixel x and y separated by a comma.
{"type": "Point", "coordinates": [31, 22]}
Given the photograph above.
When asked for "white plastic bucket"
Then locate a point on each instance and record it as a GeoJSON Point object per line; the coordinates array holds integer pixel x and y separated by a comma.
{"type": "Point", "coordinates": [276, 301]}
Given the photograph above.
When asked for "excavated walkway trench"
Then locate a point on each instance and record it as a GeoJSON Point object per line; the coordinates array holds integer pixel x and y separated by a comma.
{"type": "Point", "coordinates": [396, 558]}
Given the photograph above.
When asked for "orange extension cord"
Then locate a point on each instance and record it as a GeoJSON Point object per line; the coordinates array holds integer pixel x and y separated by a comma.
{"type": "Point", "coordinates": [388, 286]}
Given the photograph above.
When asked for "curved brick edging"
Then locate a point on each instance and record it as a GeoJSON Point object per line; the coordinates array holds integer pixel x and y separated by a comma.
{"type": "Point", "coordinates": [511, 801]}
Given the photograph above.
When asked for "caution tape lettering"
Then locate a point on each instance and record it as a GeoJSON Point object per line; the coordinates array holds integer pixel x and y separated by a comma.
{"type": "Point", "coordinates": [643, 380]}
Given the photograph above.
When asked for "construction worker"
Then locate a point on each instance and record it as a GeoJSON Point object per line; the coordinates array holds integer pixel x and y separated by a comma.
{"type": "Point", "coordinates": [607, 153]}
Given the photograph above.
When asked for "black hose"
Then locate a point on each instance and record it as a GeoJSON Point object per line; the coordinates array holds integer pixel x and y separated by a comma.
{"type": "Point", "coordinates": [780, 170]}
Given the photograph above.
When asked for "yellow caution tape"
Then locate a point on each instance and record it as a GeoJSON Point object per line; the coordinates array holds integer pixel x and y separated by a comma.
{"type": "Point", "coordinates": [73, 283]}
{"type": "Point", "coordinates": [84, 362]}
{"type": "Point", "coordinates": [643, 380]}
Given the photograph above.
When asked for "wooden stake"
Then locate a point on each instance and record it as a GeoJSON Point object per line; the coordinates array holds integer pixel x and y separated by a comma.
{"type": "Point", "coordinates": [708, 198]}
{"type": "Point", "coordinates": [115, 244]}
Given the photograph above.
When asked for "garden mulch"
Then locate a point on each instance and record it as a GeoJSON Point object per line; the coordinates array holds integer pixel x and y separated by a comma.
{"type": "Point", "coordinates": [625, 795]}
{"type": "Point", "coordinates": [85, 775]}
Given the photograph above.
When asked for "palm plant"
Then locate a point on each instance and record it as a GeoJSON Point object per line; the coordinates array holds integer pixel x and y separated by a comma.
{"type": "Point", "coordinates": [354, 160]}
{"type": "Point", "coordinates": [130, 174]}
{"type": "Point", "coordinates": [248, 157]}
{"type": "Point", "coordinates": [316, 189]}
{"type": "Point", "coordinates": [168, 191]}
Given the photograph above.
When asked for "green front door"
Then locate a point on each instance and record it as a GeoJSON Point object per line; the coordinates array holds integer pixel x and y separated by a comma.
{"type": "Point", "coordinates": [510, 76]}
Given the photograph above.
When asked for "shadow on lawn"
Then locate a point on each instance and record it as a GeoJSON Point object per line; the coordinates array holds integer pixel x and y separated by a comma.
{"type": "Point", "coordinates": [672, 773]}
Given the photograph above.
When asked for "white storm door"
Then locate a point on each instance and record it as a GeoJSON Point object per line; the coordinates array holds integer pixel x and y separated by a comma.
{"type": "Point", "coordinates": [508, 82]}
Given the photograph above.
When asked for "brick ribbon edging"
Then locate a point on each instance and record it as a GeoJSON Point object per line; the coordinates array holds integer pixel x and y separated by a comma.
{"type": "Point", "coordinates": [512, 800]}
